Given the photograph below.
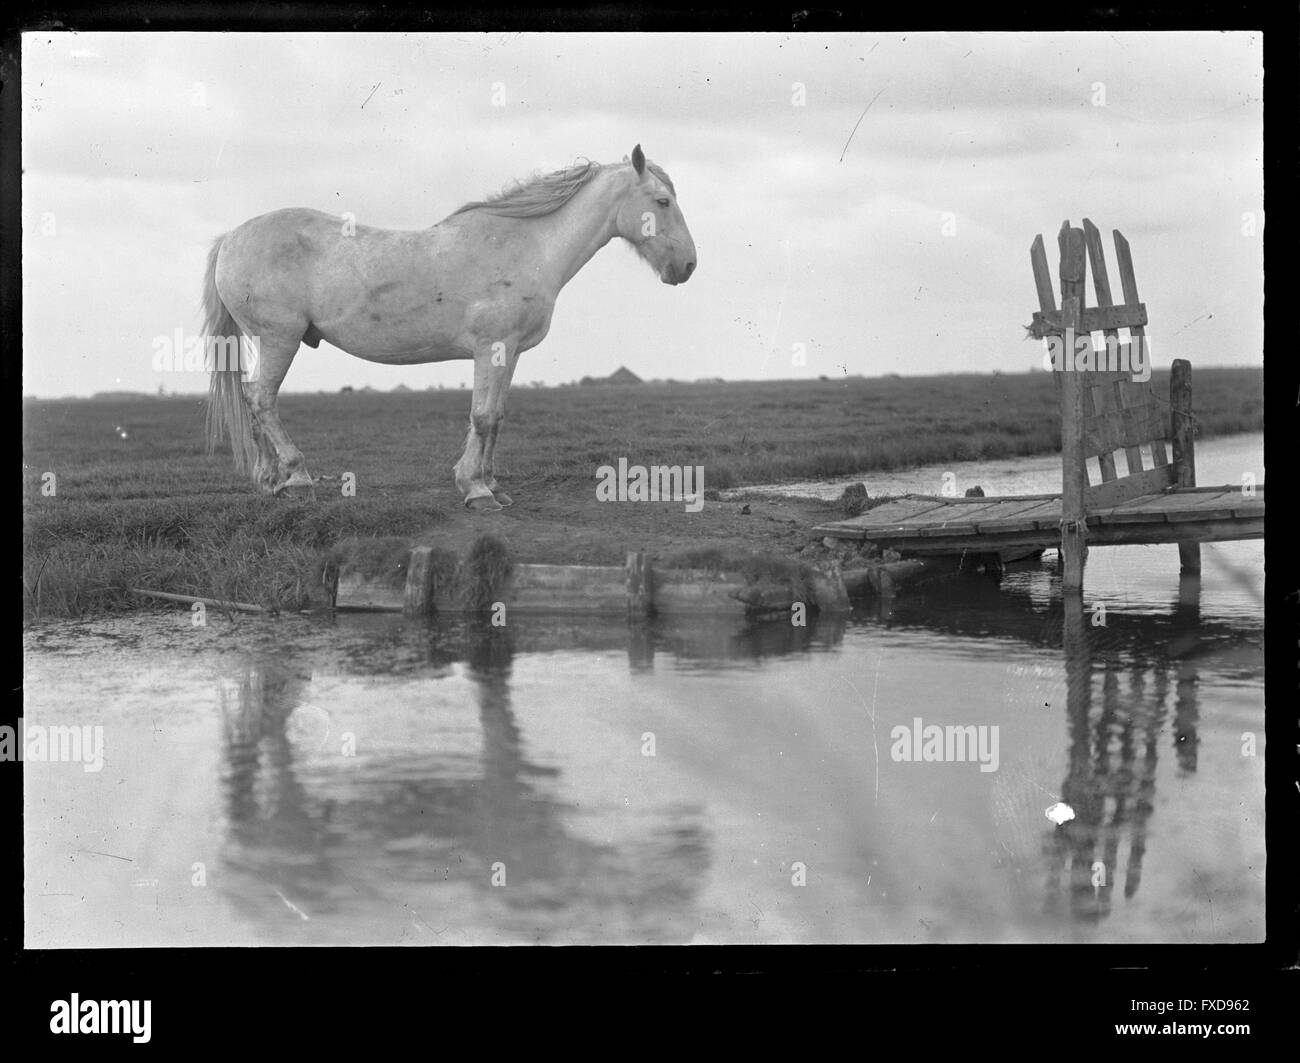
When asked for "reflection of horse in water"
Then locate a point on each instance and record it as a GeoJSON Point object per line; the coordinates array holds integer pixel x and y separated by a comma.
{"type": "Point", "coordinates": [406, 846]}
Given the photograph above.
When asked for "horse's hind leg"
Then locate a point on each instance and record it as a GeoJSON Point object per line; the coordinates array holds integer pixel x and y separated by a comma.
{"type": "Point", "coordinates": [281, 468]}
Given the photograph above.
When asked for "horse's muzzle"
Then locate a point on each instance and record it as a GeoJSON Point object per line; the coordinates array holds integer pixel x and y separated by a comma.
{"type": "Point", "coordinates": [677, 276]}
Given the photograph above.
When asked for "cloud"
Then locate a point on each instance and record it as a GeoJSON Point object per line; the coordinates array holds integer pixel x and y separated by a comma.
{"type": "Point", "coordinates": [143, 147]}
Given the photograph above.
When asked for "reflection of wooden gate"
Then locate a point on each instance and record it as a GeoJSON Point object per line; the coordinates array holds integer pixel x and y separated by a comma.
{"type": "Point", "coordinates": [1109, 421]}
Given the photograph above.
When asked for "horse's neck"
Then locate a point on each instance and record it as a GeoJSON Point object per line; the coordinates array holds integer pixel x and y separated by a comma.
{"type": "Point", "coordinates": [570, 236]}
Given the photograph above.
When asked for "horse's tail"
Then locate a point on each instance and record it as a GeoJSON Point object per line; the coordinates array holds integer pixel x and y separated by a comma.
{"type": "Point", "coordinates": [228, 416]}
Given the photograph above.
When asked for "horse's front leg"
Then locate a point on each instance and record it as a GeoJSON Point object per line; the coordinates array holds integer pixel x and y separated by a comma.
{"type": "Point", "coordinates": [499, 390]}
{"type": "Point", "coordinates": [492, 371]}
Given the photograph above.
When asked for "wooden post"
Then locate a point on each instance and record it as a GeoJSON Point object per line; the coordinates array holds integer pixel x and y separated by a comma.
{"type": "Point", "coordinates": [418, 599]}
{"type": "Point", "coordinates": [1182, 433]}
{"type": "Point", "coordinates": [1074, 475]}
{"type": "Point", "coordinates": [638, 584]}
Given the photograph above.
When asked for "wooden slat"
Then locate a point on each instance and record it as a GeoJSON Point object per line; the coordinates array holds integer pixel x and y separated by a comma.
{"type": "Point", "coordinates": [1179, 531]}
{"type": "Point", "coordinates": [1128, 282]}
{"type": "Point", "coordinates": [1215, 490]}
{"type": "Point", "coordinates": [1133, 402]}
{"type": "Point", "coordinates": [1093, 319]}
{"type": "Point", "coordinates": [1108, 400]}
{"type": "Point", "coordinates": [1044, 515]}
{"type": "Point", "coordinates": [1105, 445]}
{"type": "Point", "coordinates": [1074, 473]}
{"type": "Point", "coordinates": [890, 513]}
{"type": "Point", "coordinates": [1008, 513]}
{"type": "Point", "coordinates": [1042, 277]}
{"type": "Point", "coordinates": [1158, 507]}
{"type": "Point", "coordinates": [1101, 285]}
{"type": "Point", "coordinates": [1113, 430]}
{"type": "Point", "coordinates": [959, 515]}
{"type": "Point", "coordinates": [983, 500]}
{"type": "Point", "coordinates": [1147, 482]}
{"type": "Point", "coordinates": [1149, 533]}
{"type": "Point", "coordinates": [1097, 430]}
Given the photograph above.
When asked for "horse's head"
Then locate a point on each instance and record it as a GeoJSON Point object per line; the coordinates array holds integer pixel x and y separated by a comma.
{"type": "Point", "coordinates": [651, 222]}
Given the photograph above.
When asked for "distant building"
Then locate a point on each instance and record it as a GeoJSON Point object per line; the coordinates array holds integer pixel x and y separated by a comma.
{"type": "Point", "coordinates": [621, 375]}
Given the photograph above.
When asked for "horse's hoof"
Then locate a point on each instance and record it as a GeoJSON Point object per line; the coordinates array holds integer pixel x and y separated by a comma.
{"type": "Point", "coordinates": [503, 498]}
{"type": "Point", "coordinates": [296, 490]}
{"type": "Point", "coordinates": [483, 504]}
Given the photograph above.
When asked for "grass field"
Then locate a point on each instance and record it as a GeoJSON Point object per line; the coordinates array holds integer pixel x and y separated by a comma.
{"type": "Point", "coordinates": [153, 509]}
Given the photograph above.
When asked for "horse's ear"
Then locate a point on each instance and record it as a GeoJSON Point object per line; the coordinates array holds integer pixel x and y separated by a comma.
{"type": "Point", "coordinates": [638, 160]}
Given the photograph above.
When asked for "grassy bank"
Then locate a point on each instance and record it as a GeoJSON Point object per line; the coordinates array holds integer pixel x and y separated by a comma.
{"type": "Point", "coordinates": [150, 508]}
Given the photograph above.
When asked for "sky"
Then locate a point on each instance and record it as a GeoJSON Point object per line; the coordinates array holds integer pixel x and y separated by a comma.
{"type": "Point", "coordinates": [861, 204]}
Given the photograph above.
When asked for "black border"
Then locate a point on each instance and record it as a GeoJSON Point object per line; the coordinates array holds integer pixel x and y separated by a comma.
{"type": "Point", "coordinates": [933, 993]}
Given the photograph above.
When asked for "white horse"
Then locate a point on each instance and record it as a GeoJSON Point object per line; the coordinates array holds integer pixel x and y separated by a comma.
{"type": "Point", "coordinates": [480, 284]}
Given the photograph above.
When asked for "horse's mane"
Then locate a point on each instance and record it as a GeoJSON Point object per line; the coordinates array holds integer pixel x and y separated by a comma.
{"type": "Point", "coordinates": [546, 193]}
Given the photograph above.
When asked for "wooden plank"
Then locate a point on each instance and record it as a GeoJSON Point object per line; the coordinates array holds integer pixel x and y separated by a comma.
{"type": "Point", "coordinates": [978, 500]}
{"type": "Point", "coordinates": [679, 591]}
{"type": "Point", "coordinates": [1145, 533]}
{"type": "Point", "coordinates": [1128, 282]}
{"type": "Point", "coordinates": [1161, 506]}
{"type": "Point", "coordinates": [894, 527]}
{"type": "Point", "coordinates": [1147, 482]}
{"type": "Point", "coordinates": [1221, 487]}
{"type": "Point", "coordinates": [1042, 277]}
{"type": "Point", "coordinates": [1045, 515]}
{"type": "Point", "coordinates": [889, 512]}
{"type": "Point", "coordinates": [1112, 429]}
{"type": "Point", "coordinates": [639, 577]}
{"type": "Point", "coordinates": [1074, 474]}
{"type": "Point", "coordinates": [1020, 512]}
{"type": "Point", "coordinates": [1098, 429]}
{"type": "Point", "coordinates": [1105, 445]}
{"type": "Point", "coordinates": [1093, 319]}
{"type": "Point", "coordinates": [1143, 428]}
{"type": "Point", "coordinates": [567, 588]}
{"type": "Point", "coordinates": [956, 514]}
{"type": "Point", "coordinates": [1108, 401]}
{"type": "Point", "coordinates": [1180, 531]}
{"type": "Point", "coordinates": [1181, 434]}
{"type": "Point", "coordinates": [886, 516]}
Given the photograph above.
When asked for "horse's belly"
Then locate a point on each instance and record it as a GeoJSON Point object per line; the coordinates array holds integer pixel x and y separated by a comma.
{"type": "Point", "coordinates": [413, 340]}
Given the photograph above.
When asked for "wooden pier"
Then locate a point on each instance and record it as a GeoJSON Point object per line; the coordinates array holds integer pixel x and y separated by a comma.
{"type": "Point", "coordinates": [924, 525]}
{"type": "Point", "coordinates": [1110, 419]}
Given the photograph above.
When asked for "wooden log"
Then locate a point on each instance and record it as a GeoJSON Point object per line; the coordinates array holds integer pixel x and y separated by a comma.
{"type": "Point", "coordinates": [1074, 473]}
{"type": "Point", "coordinates": [189, 599]}
{"type": "Point", "coordinates": [887, 578]}
{"type": "Point", "coordinates": [567, 588]}
{"type": "Point", "coordinates": [682, 591]}
{"type": "Point", "coordinates": [1182, 432]}
{"type": "Point", "coordinates": [360, 592]}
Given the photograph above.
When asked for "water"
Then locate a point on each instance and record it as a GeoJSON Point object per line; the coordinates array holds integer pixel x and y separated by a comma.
{"type": "Point", "coordinates": [375, 781]}
{"type": "Point", "coordinates": [1221, 460]}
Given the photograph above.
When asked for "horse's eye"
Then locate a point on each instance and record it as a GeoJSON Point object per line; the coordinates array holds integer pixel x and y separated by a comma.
{"type": "Point", "coordinates": [662, 202]}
